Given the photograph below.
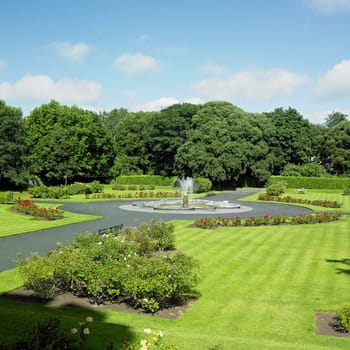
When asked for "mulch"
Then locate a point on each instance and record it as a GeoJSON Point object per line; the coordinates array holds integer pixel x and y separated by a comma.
{"type": "Point", "coordinates": [328, 324]}
{"type": "Point", "coordinates": [69, 300]}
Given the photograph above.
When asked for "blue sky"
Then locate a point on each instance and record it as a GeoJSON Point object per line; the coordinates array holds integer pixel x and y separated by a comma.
{"type": "Point", "coordinates": [147, 54]}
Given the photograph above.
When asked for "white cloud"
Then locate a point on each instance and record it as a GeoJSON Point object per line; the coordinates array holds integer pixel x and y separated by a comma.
{"type": "Point", "coordinates": [43, 87]}
{"type": "Point", "coordinates": [251, 85]}
{"type": "Point", "coordinates": [73, 52]}
{"type": "Point", "coordinates": [319, 117]}
{"type": "Point", "coordinates": [162, 102]}
{"type": "Point", "coordinates": [3, 64]}
{"type": "Point", "coordinates": [133, 64]}
{"type": "Point", "coordinates": [336, 82]}
{"type": "Point", "coordinates": [212, 69]}
{"type": "Point", "coordinates": [328, 6]}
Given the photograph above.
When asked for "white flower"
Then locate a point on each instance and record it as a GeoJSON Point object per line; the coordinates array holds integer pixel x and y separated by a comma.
{"type": "Point", "coordinates": [86, 331]}
{"type": "Point", "coordinates": [74, 330]}
{"type": "Point", "coordinates": [89, 319]}
{"type": "Point", "coordinates": [147, 330]}
{"type": "Point", "coordinates": [160, 334]}
{"type": "Point", "coordinates": [99, 243]}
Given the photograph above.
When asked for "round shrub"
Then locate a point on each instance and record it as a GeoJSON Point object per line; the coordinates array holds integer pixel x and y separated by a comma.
{"type": "Point", "coordinates": [202, 184]}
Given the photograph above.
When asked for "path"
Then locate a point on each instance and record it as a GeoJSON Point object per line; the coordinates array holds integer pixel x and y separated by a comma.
{"type": "Point", "coordinates": [44, 240]}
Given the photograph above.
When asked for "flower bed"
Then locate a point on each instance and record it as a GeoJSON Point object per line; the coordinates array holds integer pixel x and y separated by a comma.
{"type": "Point", "coordinates": [289, 199]}
{"type": "Point", "coordinates": [139, 194]}
{"type": "Point", "coordinates": [213, 222]}
{"type": "Point", "coordinates": [28, 207]}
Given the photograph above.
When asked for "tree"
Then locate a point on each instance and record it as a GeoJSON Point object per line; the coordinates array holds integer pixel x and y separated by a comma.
{"type": "Point", "coordinates": [12, 148]}
{"type": "Point", "coordinates": [335, 118]}
{"type": "Point", "coordinates": [291, 141]}
{"type": "Point", "coordinates": [168, 132]}
{"type": "Point", "coordinates": [131, 135]}
{"type": "Point", "coordinates": [225, 144]}
{"type": "Point", "coordinates": [68, 142]}
{"type": "Point", "coordinates": [336, 155]}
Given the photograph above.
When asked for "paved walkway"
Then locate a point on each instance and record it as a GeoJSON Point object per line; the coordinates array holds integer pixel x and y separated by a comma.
{"type": "Point", "coordinates": [44, 240]}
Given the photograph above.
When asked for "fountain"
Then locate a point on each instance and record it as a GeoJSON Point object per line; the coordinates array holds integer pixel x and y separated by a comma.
{"type": "Point", "coordinates": [186, 205]}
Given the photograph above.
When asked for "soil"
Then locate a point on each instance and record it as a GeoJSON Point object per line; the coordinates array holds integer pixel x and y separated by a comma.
{"type": "Point", "coordinates": [69, 300]}
{"type": "Point", "coordinates": [328, 323]}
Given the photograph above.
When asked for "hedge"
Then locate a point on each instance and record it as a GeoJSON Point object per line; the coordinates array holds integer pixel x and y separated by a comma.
{"type": "Point", "coordinates": [335, 183]}
{"type": "Point", "coordinates": [155, 180]}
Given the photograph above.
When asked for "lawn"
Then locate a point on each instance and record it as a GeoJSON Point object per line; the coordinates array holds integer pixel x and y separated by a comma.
{"type": "Point", "coordinates": [332, 195]}
{"type": "Point", "coordinates": [260, 289]}
{"type": "Point", "coordinates": [13, 223]}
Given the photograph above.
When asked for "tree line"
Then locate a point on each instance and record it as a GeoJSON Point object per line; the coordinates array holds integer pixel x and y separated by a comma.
{"type": "Point", "coordinates": [217, 140]}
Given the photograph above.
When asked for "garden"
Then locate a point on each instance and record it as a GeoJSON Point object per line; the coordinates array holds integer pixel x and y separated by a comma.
{"type": "Point", "coordinates": [250, 286]}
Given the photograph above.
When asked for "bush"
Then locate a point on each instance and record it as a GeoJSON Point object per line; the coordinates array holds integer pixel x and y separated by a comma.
{"type": "Point", "coordinates": [155, 180]}
{"type": "Point", "coordinates": [202, 185]}
{"type": "Point", "coordinates": [346, 192]}
{"type": "Point", "coordinates": [6, 197]}
{"type": "Point", "coordinates": [312, 182]}
{"type": "Point", "coordinates": [109, 268]}
{"type": "Point", "coordinates": [307, 170]}
{"type": "Point", "coordinates": [344, 316]}
{"type": "Point", "coordinates": [276, 189]}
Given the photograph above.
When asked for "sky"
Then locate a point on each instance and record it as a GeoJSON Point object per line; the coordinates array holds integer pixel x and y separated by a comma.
{"type": "Point", "coordinates": [148, 54]}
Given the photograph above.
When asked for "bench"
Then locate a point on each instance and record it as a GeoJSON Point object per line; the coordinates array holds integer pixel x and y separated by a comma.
{"type": "Point", "coordinates": [300, 190]}
{"type": "Point", "coordinates": [113, 229]}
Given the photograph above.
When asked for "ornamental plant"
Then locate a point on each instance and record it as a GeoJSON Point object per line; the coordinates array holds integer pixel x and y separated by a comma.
{"type": "Point", "coordinates": [28, 207]}
{"type": "Point", "coordinates": [289, 199]}
{"type": "Point", "coordinates": [116, 269]}
{"type": "Point", "coordinates": [213, 222]}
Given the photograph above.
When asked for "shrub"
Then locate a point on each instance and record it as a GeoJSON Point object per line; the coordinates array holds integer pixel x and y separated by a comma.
{"type": "Point", "coordinates": [28, 207]}
{"type": "Point", "coordinates": [276, 189]}
{"type": "Point", "coordinates": [289, 199]}
{"type": "Point", "coordinates": [312, 182]}
{"type": "Point", "coordinates": [346, 192]}
{"type": "Point", "coordinates": [202, 184]}
{"type": "Point", "coordinates": [344, 316]}
{"type": "Point", "coordinates": [155, 180]}
{"type": "Point", "coordinates": [307, 170]}
{"type": "Point", "coordinates": [6, 197]}
{"type": "Point", "coordinates": [108, 268]}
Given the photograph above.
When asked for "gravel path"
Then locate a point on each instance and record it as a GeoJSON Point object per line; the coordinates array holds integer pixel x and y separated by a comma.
{"type": "Point", "coordinates": [44, 240]}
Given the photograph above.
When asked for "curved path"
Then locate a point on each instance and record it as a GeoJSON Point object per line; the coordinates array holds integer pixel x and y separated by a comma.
{"type": "Point", "coordinates": [44, 240]}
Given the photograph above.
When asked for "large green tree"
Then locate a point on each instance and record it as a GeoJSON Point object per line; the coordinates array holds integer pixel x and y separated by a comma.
{"type": "Point", "coordinates": [225, 144]}
{"type": "Point", "coordinates": [12, 148]}
{"type": "Point", "coordinates": [336, 149]}
{"type": "Point", "coordinates": [168, 132]}
{"type": "Point", "coordinates": [291, 141]}
{"type": "Point", "coordinates": [68, 143]}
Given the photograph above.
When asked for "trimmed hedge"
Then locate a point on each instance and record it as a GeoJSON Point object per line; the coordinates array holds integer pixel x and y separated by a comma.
{"type": "Point", "coordinates": [335, 183]}
{"type": "Point", "coordinates": [155, 180]}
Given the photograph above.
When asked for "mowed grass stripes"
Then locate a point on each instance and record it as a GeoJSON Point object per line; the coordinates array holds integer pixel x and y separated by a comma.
{"type": "Point", "coordinates": [259, 290]}
{"type": "Point", "coordinates": [266, 282]}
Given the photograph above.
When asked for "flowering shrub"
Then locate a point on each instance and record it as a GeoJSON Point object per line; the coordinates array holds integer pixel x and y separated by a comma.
{"type": "Point", "coordinates": [115, 269]}
{"type": "Point", "coordinates": [28, 207]}
{"type": "Point", "coordinates": [267, 220]}
{"type": "Point", "coordinates": [289, 199]}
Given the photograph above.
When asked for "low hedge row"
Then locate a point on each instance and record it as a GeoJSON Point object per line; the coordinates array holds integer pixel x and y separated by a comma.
{"type": "Point", "coordinates": [289, 199]}
{"type": "Point", "coordinates": [56, 192]}
{"type": "Point", "coordinates": [213, 222]}
{"type": "Point", "coordinates": [312, 182]}
{"type": "Point", "coordinates": [155, 180]}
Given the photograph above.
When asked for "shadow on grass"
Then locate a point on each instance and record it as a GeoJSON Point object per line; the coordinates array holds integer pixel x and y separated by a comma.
{"type": "Point", "coordinates": [19, 315]}
{"type": "Point", "coordinates": [344, 261]}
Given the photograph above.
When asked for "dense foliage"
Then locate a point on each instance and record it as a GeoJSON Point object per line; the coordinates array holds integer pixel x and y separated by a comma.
{"type": "Point", "coordinates": [139, 267]}
{"type": "Point", "coordinates": [312, 182]}
{"type": "Point", "coordinates": [216, 140]}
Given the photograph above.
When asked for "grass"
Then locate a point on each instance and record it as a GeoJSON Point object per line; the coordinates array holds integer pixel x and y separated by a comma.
{"type": "Point", "coordinates": [332, 195]}
{"type": "Point", "coordinates": [13, 223]}
{"type": "Point", "coordinates": [260, 289]}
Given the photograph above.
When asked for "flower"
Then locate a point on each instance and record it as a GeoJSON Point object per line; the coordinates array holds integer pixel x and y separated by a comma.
{"type": "Point", "coordinates": [89, 319]}
{"type": "Point", "coordinates": [160, 334]}
{"type": "Point", "coordinates": [147, 331]}
{"type": "Point", "coordinates": [86, 331]}
{"type": "Point", "coordinates": [74, 330]}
